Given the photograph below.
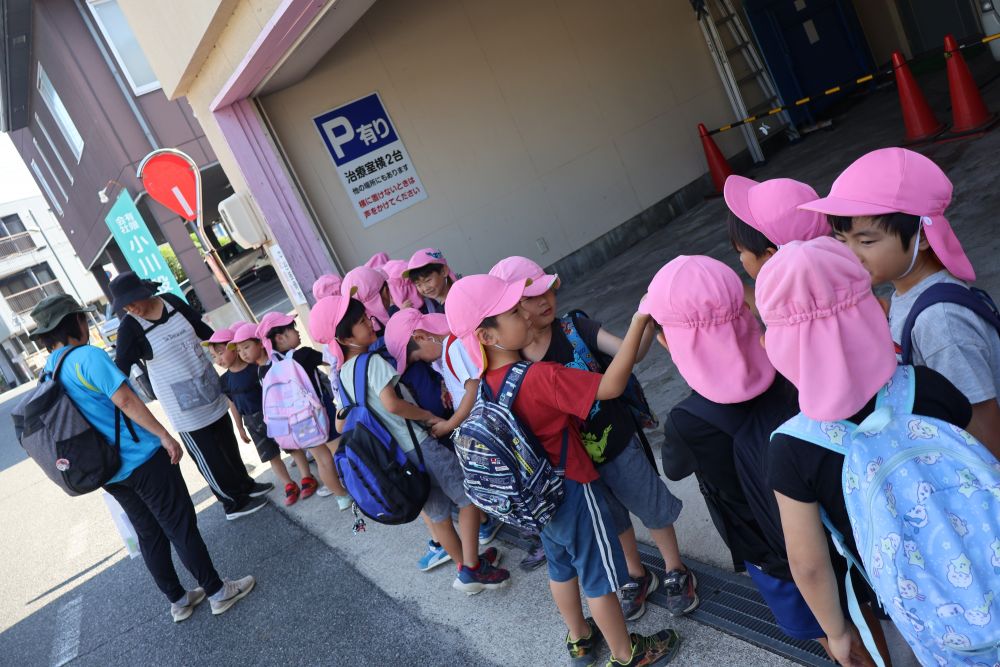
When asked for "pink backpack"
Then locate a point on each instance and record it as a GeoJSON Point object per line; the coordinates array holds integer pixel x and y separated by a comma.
{"type": "Point", "coordinates": [294, 414]}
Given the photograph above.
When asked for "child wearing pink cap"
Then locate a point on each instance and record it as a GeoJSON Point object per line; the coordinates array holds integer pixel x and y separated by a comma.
{"type": "Point", "coordinates": [344, 323]}
{"type": "Point", "coordinates": [252, 352]}
{"type": "Point", "coordinates": [721, 431]}
{"type": "Point", "coordinates": [612, 439]}
{"type": "Point", "coordinates": [371, 288]}
{"type": "Point", "coordinates": [428, 270]}
{"type": "Point", "coordinates": [828, 335]}
{"type": "Point", "coordinates": [278, 329]}
{"type": "Point", "coordinates": [402, 291]}
{"type": "Point", "coordinates": [327, 284]}
{"type": "Point", "coordinates": [888, 207]}
{"type": "Point", "coordinates": [765, 216]}
{"type": "Point", "coordinates": [485, 312]}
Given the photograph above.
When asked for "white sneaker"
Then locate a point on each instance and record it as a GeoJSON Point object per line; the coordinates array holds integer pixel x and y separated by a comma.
{"type": "Point", "coordinates": [183, 608]}
{"type": "Point", "coordinates": [344, 502]}
{"type": "Point", "coordinates": [324, 491]}
{"type": "Point", "coordinates": [230, 593]}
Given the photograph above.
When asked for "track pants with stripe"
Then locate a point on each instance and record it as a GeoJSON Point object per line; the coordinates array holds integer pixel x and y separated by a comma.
{"type": "Point", "coordinates": [158, 504]}
{"type": "Point", "coordinates": [217, 455]}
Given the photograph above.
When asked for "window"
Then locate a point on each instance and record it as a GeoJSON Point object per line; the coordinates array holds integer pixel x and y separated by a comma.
{"type": "Point", "coordinates": [124, 45]}
{"type": "Point", "coordinates": [59, 113]}
{"type": "Point", "coordinates": [24, 289]}
{"type": "Point", "coordinates": [51, 171]}
{"type": "Point", "coordinates": [11, 224]}
{"type": "Point", "coordinates": [45, 186]}
{"type": "Point", "coordinates": [54, 148]}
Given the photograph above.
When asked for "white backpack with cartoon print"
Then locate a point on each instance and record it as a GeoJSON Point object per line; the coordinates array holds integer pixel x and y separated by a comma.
{"type": "Point", "coordinates": [923, 498]}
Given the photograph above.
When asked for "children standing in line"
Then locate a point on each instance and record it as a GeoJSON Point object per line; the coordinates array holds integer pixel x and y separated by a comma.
{"type": "Point", "coordinates": [343, 323]}
{"type": "Point", "coordinates": [241, 386]}
{"type": "Point", "coordinates": [610, 435]}
{"type": "Point", "coordinates": [828, 335]}
{"type": "Point", "coordinates": [429, 271]}
{"type": "Point", "coordinates": [722, 430]}
{"type": "Point", "coordinates": [252, 351]}
{"type": "Point", "coordinates": [485, 313]}
{"type": "Point", "coordinates": [888, 206]}
{"type": "Point", "coordinates": [279, 331]}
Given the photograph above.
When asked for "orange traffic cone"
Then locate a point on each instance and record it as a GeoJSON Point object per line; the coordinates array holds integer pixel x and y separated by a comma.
{"type": "Point", "coordinates": [969, 112]}
{"type": "Point", "coordinates": [921, 123]}
{"type": "Point", "coordinates": [718, 167]}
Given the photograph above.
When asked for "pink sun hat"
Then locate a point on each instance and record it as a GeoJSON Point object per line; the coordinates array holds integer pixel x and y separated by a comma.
{"type": "Point", "coordinates": [244, 332]}
{"type": "Point", "coordinates": [714, 339]}
{"type": "Point", "coordinates": [221, 336]}
{"type": "Point", "coordinates": [474, 298]}
{"type": "Point", "coordinates": [519, 268]}
{"type": "Point", "coordinates": [323, 321]}
{"type": "Point", "coordinates": [772, 209]}
{"type": "Point", "coordinates": [427, 256]}
{"type": "Point", "coordinates": [327, 284]}
{"type": "Point", "coordinates": [400, 329]}
{"type": "Point", "coordinates": [897, 180]}
{"type": "Point", "coordinates": [365, 285]}
{"type": "Point", "coordinates": [377, 261]}
{"type": "Point", "coordinates": [826, 331]}
{"type": "Point", "coordinates": [270, 321]}
{"type": "Point", "coordinates": [401, 289]}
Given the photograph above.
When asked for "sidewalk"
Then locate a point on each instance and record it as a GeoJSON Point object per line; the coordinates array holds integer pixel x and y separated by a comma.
{"type": "Point", "coordinates": [520, 625]}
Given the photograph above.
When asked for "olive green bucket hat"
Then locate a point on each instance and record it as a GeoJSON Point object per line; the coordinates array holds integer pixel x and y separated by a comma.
{"type": "Point", "coordinates": [51, 310]}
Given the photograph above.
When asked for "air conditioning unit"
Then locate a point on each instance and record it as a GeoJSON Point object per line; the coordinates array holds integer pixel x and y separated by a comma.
{"type": "Point", "coordinates": [242, 222]}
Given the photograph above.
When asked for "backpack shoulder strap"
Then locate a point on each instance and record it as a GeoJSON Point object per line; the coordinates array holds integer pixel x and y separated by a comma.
{"type": "Point", "coordinates": [576, 340]}
{"type": "Point", "coordinates": [828, 435]}
{"type": "Point", "coordinates": [899, 393]}
{"type": "Point", "coordinates": [972, 298]}
{"type": "Point", "coordinates": [361, 379]}
{"type": "Point", "coordinates": [59, 363]}
{"type": "Point", "coordinates": [449, 340]}
{"type": "Point", "coordinates": [512, 384]}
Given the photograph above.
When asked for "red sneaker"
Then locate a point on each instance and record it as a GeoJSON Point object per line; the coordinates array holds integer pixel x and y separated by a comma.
{"type": "Point", "coordinates": [291, 494]}
{"type": "Point", "coordinates": [309, 486]}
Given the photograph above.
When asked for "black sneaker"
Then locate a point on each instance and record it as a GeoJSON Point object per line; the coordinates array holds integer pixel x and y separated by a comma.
{"type": "Point", "coordinates": [634, 594]}
{"type": "Point", "coordinates": [651, 650]}
{"type": "Point", "coordinates": [249, 507]}
{"type": "Point", "coordinates": [261, 489]}
{"type": "Point", "coordinates": [681, 594]}
{"type": "Point", "coordinates": [583, 652]}
{"type": "Point", "coordinates": [535, 557]}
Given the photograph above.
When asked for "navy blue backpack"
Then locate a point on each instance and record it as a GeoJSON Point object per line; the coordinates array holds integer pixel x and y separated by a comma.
{"type": "Point", "coordinates": [972, 298]}
{"type": "Point", "coordinates": [385, 485]}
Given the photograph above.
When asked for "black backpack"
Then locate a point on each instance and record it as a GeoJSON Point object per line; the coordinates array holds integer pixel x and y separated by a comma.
{"type": "Point", "coordinates": [67, 447]}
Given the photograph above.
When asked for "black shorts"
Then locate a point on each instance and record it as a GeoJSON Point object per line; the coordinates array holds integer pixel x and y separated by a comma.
{"type": "Point", "coordinates": [267, 448]}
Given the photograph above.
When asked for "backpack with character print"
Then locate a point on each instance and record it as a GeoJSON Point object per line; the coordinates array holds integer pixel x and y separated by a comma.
{"type": "Point", "coordinates": [923, 497]}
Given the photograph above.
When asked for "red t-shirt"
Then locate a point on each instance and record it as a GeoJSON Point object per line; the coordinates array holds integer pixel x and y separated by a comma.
{"type": "Point", "coordinates": [554, 398]}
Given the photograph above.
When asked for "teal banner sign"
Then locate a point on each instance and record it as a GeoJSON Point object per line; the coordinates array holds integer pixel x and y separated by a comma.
{"type": "Point", "coordinates": [137, 244]}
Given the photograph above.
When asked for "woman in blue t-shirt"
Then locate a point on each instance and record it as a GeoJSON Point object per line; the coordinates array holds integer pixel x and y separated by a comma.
{"type": "Point", "coordinates": [149, 485]}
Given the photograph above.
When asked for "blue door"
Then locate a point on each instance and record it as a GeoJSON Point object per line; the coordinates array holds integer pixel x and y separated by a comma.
{"type": "Point", "coordinates": [809, 46]}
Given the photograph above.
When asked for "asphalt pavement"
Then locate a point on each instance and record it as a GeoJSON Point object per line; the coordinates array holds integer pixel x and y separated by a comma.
{"type": "Point", "coordinates": [69, 594]}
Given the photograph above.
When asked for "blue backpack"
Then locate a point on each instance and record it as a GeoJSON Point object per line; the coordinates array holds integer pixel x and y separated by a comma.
{"type": "Point", "coordinates": [385, 485]}
{"type": "Point", "coordinates": [923, 498]}
{"type": "Point", "coordinates": [972, 298]}
{"type": "Point", "coordinates": [507, 472]}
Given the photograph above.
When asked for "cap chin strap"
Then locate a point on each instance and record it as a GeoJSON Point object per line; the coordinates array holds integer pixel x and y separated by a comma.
{"type": "Point", "coordinates": [924, 220]}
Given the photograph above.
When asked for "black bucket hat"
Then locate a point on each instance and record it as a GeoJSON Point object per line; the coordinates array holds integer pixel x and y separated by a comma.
{"type": "Point", "coordinates": [51, 310]}
{"type": "Point", "coordinates": [128, 288]}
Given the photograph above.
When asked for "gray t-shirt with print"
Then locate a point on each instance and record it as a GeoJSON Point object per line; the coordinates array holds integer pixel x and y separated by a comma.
{"type": "Point", "coordinates": [952, 340]}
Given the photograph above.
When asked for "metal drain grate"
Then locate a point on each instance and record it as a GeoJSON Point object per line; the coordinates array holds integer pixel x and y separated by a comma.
{"type": "Point", "coordinates": [729, 602]}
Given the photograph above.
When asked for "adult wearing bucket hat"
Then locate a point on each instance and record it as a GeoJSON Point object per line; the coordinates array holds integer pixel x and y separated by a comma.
{"type": "Point", "coordinates": [167, 333]}
{"type": "Point", "coordinates": [149, 485]}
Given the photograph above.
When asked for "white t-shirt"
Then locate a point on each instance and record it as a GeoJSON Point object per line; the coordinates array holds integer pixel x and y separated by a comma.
{"type": "Point", "coordinates": [456, 367]}
{"type": "Point", "coordinates": [380, 375]}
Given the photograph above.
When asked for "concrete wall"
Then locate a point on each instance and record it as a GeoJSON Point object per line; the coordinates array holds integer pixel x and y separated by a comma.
{"type": "Point", "coordinates": [525, 120]}
{"type": "Point", "coordinates": [883, 28]}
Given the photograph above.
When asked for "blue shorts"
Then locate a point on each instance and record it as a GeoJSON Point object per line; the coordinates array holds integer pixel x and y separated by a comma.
{"type": "Point", "coordinates": [635, 487]}
{"type": "Point", "coordinates": [580, 542]}
{"type": "Point", "coordinates": [787, 604]}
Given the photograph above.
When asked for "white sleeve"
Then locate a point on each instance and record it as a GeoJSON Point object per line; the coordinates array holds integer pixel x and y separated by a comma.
{"type": "Point", "coordinates": [461, 362]}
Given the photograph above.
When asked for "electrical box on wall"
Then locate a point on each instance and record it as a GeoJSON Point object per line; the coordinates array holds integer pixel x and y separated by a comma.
{"type": "Point", "coordinates": [244, 224]}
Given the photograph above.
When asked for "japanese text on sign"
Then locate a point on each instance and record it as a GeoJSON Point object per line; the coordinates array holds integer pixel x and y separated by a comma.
{"type": "Point", "coordinates": [136, 243]}
{"type": "Point", "coordinates": [370, 159]}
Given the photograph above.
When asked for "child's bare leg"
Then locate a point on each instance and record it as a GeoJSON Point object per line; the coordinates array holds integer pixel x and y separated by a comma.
{"type": "Point", "coordinates": [469, 520]}
{"type": "Point", "coordinates": [567, 597]}
{"type": "Point", "coordinates": [327, 472]}
{"type": "Point", "coordinates": [666, 542]}
{"type": "Point", "coordinates": [299, 456]}
{"type": "Point", "coordinates": [607, 611]}
{"type": "Point", "coordinates": [279, 470]}
{"type": "Point", "coordinates": [333, 445]}
{"type": "Point", "coordinates": [631, 549]}
{"type": "Point", "coordinates": [446, 536]}
{"type": "Point", "coordinates": [429, 524]}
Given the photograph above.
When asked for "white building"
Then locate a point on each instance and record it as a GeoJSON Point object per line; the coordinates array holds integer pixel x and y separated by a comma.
{"type": "Point", "coordinates": [36, 261]}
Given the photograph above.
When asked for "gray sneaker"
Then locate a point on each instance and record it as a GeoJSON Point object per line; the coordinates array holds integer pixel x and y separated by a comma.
{"type": "Point", "coordinates": [183, 608]}
{"type": "Point", "coordinates": [680, 588]}
{"type": "Point", "coordinates": [634, 594]}
{"type": "Point", "coordinates": [230, 593]}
